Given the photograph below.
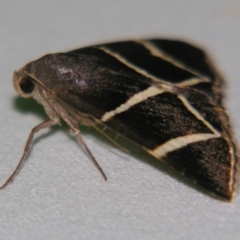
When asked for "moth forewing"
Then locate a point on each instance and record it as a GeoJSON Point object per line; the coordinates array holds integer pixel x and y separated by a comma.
{"type": "Point", "coordinates": [163, 95]}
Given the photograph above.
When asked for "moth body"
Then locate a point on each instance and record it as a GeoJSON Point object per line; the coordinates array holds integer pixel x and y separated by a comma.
{"type": "Point", "coordinates": [164, 95]}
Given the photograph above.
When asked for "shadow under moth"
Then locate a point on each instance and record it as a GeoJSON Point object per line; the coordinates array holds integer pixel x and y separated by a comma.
{"type": "Point", "coordinates": [164, 95]}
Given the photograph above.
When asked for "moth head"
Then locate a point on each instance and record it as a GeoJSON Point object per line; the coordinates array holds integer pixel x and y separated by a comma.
{"type": "Point", "coordinates": [23, 84]}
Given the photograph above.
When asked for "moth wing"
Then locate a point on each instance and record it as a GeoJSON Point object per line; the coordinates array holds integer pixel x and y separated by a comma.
{"type": "Point", "coordinates": [183, 126]}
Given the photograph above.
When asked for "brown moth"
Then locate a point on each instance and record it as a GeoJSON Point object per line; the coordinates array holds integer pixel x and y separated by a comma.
{"type": "Point", "coordinates": [163, 95]}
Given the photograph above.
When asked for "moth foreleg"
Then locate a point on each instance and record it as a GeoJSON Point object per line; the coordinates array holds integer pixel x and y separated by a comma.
{"type": "Point", "coordinates": [28, 146]}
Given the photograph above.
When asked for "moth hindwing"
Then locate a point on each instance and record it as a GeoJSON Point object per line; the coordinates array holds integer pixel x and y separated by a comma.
{"type": "Point", "coordinates": [164, 95]}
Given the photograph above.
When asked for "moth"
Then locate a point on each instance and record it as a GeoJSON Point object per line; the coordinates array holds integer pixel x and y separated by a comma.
{"type": "Point", "coordinates": [164, 95]}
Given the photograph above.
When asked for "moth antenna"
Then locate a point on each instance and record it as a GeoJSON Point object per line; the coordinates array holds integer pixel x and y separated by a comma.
{"type": "Point", "coordinates": [27, 148]}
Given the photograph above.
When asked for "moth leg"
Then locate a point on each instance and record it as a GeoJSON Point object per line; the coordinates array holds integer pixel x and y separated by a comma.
{"type": "Point", "coordinates": [71, 122]}
{"type": "Point", "coordinates": [77, 132]}
{"type": "Point", "coordinates": [111, 139]}
{"type": "Point", "coordinates": [28, 146]}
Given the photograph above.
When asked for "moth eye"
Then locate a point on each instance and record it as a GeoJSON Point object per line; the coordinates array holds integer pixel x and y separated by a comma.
{"type": "Point", "coordinates": [27, 85]}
